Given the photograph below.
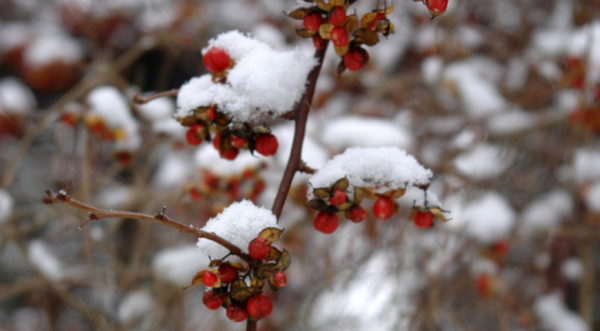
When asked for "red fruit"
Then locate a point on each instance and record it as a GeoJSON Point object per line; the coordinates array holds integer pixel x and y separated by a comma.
{"type": "Point", "coordinates": [237, 313]}
{"type": "Point", "coordinates": [483, 286]}
{"type": "Point", "coordinates": [259, 248]}
{"type": "Point", "coordinates": [280, 279]}
{"type": "Point", "coordinates": [191, 135]}
{"type": "Point", "coordinates": [383, 208]}
{"type": "Point", "coordinates": [337, 198]}
{"type": "Point", "coordinates": [337, 16]}
{"type": "Point", "coordinates": [339, 36]}
{"type": "Point", "coordinates": [423, 220]}
{"type": "Point", "coordinates": [259, 306]}
{"type": "Point", "coordinates": [227, 273]}
{"type": "Point", "coordinates": [216, 141]}
{"type": "Point", "coordinates": [259, 186]}
{"type": "Point", "coordinates": [356, 58]}
{"type": "Point", "coordinates": [357, 214]}
{"type": "Point", "coordinates": [216, 59]}
{"type": "Point", "coordinates": [326, 222]}
{"type": "Point", "coordinates": [318, 41]}
{"type": "Point", "coordinates": [211, 112]}
{"type": "Point", "coordinates": [500, 247]}
{"type": "Point", "coordinates": [266, 144]}
{"type": "Point", "coordinates": [69, 119]}
{"type": "Point", "coordinates": [195, 194]}
{"type": "Point", "coordinates": [572, 62]}
{"type": "Point", "coordinates": [373, 23]}
{"type": "Point", "coordinates": [230, 154]}
{"type": "Point", "coordinates": [213, 300]}
{"type": "Point", "coordinates": [211, 180]}
{"type": "Point", "coordinates": [312, 22]}
{"type": "Point", "coordinates": [209, 278]}
{"type": "Point", "coordinates": [237, 142]}
{"type": "Point", "coordinates": [436, 7]}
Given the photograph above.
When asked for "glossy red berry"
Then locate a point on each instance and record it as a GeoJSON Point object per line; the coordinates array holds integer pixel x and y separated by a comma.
{"type": "Point", "coordinates": [312, 22]}
{"type": "Point", "coordinates": [357, 214]}
{"type": "Point", "coordinates": [326, 222]}
{"type": "Point", "coordinates": [230, 154]}
{"type": "Point", "coordinates": [209, 278]}
{"type": "Point", "coordinates": [319, 42]}
{"type": "Point", "coordinates": [373, 25]}
{"type": "Point", "coordinates": [227, 273]}
{"type": "Point", "coordinates": [337, 16]}
{"type": "Point", "coordinates": [259, 248]}
{"type": "Point", "coordinates": [192, 135]}
{"type": "Point", "coordinates": [216, 59]}
{"type": "Point", "coordinates": [280, 279]}
{"type": "Point", "coordinates": [339, 36]}
{"type": "Point", "coordinates": [383, 208]}
{"type": "Point", "coordinates": [237, 313]}
{"type": "Point", "coordinates": [337, 198]}
{"type": "Point", "coordinates": [237, 142]}
{"type": "Point", "coordinates": [259, 306]}
{"type": "Point", "coordinates": [423, 220]}
{"type": "Point", "coordinates": [436, 7]}
{"type": "Point", "coordinates": [213, 300]}
{"type": "Point", "coordinates": [356, 58]}
{"type": "Point", "coordinates": [266, 144]}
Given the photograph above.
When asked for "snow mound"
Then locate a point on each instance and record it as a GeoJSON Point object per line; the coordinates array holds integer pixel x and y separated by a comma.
{"type": "Point", "coordinates": [554, 315]}
{"type": "Point", "coordinates": [48, 48]}
{"type": "Point", "coordinates": [262, 82]}
{"type": "Point", "coordinates": [546, 211]}
{"type": "Point", "coordinates": [484, 161]}
{"type": "Point", "coordinates": [15, 97]}
{"type": "Point", "coordinates": [360, 131]}
{"type": "Point", "coordinates": [489, 218]}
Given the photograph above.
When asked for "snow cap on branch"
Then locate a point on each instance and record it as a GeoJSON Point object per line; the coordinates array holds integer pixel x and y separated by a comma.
{"type": "Point", "coordinates": [262, 81]}
{"type": "Point", "coordinates": [239, 224]}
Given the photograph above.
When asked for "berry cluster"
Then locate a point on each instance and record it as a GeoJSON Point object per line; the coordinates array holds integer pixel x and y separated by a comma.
{"type": "Point", "coordinates": [330, 200]}
{"type": "Point", "coordinates": [228, 281]}
{"type": "Point", "coordinates": [228, 137]}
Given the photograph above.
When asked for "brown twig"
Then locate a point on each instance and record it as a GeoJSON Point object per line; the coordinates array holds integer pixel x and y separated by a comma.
{"type": "Point", "coordinates": [306, 169]}
{"type": "Point", "coordinates": [161, 217]}
{"type": "Point", "coordinates": [302, 109]}
{"type": "Point", "coordinates": [142, 99]}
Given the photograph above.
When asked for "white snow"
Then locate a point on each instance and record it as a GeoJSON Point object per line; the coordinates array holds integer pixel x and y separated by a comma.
{"type": "Point", "coordinates": [157, 109]}
{"type": "Point", "coordinates": [554, 315]}
{"type": "Point", "coordinates": [572, 269]}
{"type": "Point", "coordinates": [517, 73]}
{"type": "Point", "coordinates": [115, 196]}
{"type": "Point", "coordinates": [178, 265]}
{"type": "Point", "coordinates": [483, 266]}
{"type": "Point", "coordinates": [239, 223]}
{"type": "Point", "coordinates": [510, 122]}
{"type": "Point", "coordinates": [547, 211]}
{"type": "Point", "coordinates": [382, 168]}
{"type": "Point", "coordinates": [363, 131]}
{"type": "Point", "coordinates": [592, 197]}
{"type": "Point", "coordinates": [134, 305]}
{"type": "Point", "coordinates": [431, 69]}
{"type": "Point", "coordinates": [484, 161]}
{"type": "Point", "coordinates": [262, 81]}
{"type": "Point", "coordinates": [14, 35]}
{"type": "Point", "coordinates": [6, 205]}
{"type": "Point", "coordinates": [48, 264]}
{"type": "Point", "coordinates": [170, 127]}
{"type": "Point", "coordinates": [15, 97]}
{"type": "Point", "coordinates": [174, 170]}
{"type": "Point", "coordinates": [207, 157]}
{"type": "Point", "coordinates": [489, 218]}
{"type": "Point", "coordinates": [586, 164]}
{"type": "Point", "coordinates": [49, 48]}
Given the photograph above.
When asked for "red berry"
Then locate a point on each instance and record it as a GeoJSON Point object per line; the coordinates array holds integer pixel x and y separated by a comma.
{"type": "Point", "coordinates": [500, 247]}
{"type": "Point", "coordinates": [191, 135]}
{"type": "Point", "coordinates": [230, 154]}
{"type": "Point", "coordinates": [318, 41]}
{"type": "Point", "coordinates": [211, 112]}
{"type": "Point", "coordinates": [237, 142]}
{"type": "Point", "coordinates": [356, 58]}
{"type": "Point", "coordinates": [572, 62]}
{"type": "Point", "coordinates": [423, 220]}
{"type": "Point", "coordinates": [357, 214]}
{"type": "Point", "coordinates": [483, 286]}
{"type": "Point", "coordinates": [339, 36]}
{"type": "Point", "coordinates": [259, 248]}
{"type": "Point", "coordinates": [237, 313]}
{"type": "Point", "coordinates": [326, 222]}
{"type": "Point", "coordinates": [195, 194]}
{"type": "Point", "coordinates": [69, 119]}
{"type": "Point", "coordinates": [216, 59]}
{"type": "Point", "coordinates": [312, 22]}
{"type": "Point", "coordinates": [227, 273]}
{"type": "Point", "coordinates": [213, 300]}
{"type": "Point", "coordinates": [337, 198]}
{"type": "Point", "coordinates": [209, 278]}
{"type": "Point", "coordinates": [216, 141]}
{"type": "Point", "coordinates": [266, 144]}
{"type": "Point", "coordinates": [259, 306]}
{"type": "Point", "coordinates": [373, 23]}
{"type": "Point", "coordinates": [436, 7]}
{"type": "Point", "coordinates": [337, 16]}
{"type": "Point", "coordinates": [383, 208]}
{"type": "Point", "coordinates": [280, 279]}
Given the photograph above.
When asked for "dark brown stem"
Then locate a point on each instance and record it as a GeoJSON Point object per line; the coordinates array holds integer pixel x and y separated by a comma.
{"type": "Point", "coordinates": [301, 117]}
{"type": "Point", "coordinates": [306, 169]}
{"type": "Point", "coordinates": [251, 325]}
{"type": "Point", "coordinates": [142, 99]}
{"type": "Point", "coordinates": [98, 214]}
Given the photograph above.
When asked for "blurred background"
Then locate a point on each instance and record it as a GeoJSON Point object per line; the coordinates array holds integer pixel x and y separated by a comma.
{"type": "Point", "coordinates": [501, 99]}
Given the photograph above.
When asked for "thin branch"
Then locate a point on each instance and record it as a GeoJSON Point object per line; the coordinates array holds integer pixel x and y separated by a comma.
{"type": "Point", "coordinates": [142, 99]}
{"type": "Point", "coordinates": [161, 217]}
{"type": "Point", "coordinates": [306, 169]}
{"type": "Point", "coordinates": [301, 111]}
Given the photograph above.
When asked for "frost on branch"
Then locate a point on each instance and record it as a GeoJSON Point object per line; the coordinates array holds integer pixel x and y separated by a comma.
{"type": "Point", "coordinates": [239, 224]}
{"type": "Point", "coordinates": [262, 81]}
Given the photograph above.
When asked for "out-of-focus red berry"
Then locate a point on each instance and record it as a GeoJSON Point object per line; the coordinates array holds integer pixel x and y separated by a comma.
{"type": "Point", "coordinates": [280, 279]}
{"type": "Point", "coordinates": [237, 142]}
{"type": "Point", "coordinates": [230, 154]}
{"type": "Point", "coordinates": [357, 213]}
{"type": "Point", "coordinates": [195, 194]}
{"type": "Point", "coordinates": [216, 59]}
{"type": "Point", "coordinates": [338, 197]}
{"type": "Point", "coordinates": [339, 36]}
{"type": "Point", "coordinates": [311, 22]}
{"type": "Point", "coordinates": [326, 222]}
{"type": "Point", "coordinates": [356, 58]}
{"type": "Point", "coordinates": [237, 313]}
{"type": "Point", "coordinates": [192, 135]}
{"type": "Point", "coordinates": [213, 300]}
{"type": "Point", "coordinates": [337, 16]}
{"type": "Point", "coordinates": [259, 306]}
{"type": "Point", "coordinates": [319, 42]}
{"type": "Point", "coordinates": [423, 220]}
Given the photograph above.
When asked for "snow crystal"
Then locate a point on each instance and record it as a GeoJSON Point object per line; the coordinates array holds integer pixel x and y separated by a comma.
{"type": "Point", "coordinates": [489, 218]}
{"type": "Point", "coordinates": [39, 255]}
{"type": "Point", "coordinates": [484, 161]}
{"type": "Point", "coordinates": [134, 305]}
{"type": "Point", "coordinates": [368, 132]}
{"type": "Point", "coordinates": [6, 205]}
{"type": "Point", "coordinates": [157, 109]}
{"type": "Point", "coordinates": [179, 265]}
{"type": "Point", "coordinates": [586, 164]}
{"type": "Point", "coordinates": [592, 198]}
{"type": "Point", "coordinates": [239, 224]}
{"type": "Point", "coordinates": [207, 157]}
{"type": "Point", "coordinates": [15, 97]}
{"type": "Point", "coordinates": [46, 49]}
{"type": "Point", "coordinates": [546, 211]}
{"type": "Point", "coordinates": [262, 81]}
{"type": "Point", "coordinates": [554, 315]}
{"type": "Point", "coordinates": [383, 168]}
{"type": "Point", "coordinates": [572, 269]}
